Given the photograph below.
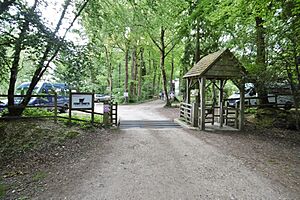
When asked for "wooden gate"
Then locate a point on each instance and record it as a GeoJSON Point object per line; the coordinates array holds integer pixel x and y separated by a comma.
{"type": "Point", "coordinates": [114, 114]}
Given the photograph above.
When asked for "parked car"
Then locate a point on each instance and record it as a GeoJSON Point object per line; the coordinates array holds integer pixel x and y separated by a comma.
{"type": "Point", "coordinates": [43, 88]}
{"type": "Point", "coordinates": [283, 100]}
{"type": "Point", "coordinates": [101, 97]}
{"type": "Point", "coordinates": [62, 91]}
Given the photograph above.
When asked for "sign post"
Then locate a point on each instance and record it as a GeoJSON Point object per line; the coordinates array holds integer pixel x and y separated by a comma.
{"type": "Point", "coordinates": [93, 108]}
{"type": "Point", "coordinates": [106, 110]}
{"type": "Point", "coordinates": [81, 101]}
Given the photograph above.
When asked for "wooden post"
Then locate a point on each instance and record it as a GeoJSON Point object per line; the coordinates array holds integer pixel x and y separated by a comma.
{"type": "Point", "coordinates": [55, 107]}
{"type": "Point", "coordinates": [221, 103]}
{"type": "Point", "coordinates": [93, 108]}
{"type": "Point", "coordinates": [202, 103]}
{"type": "Point", "coordinates": [214, 102]}
{"type": "Point", "coordinates": [236, 116]}
{"type": "Point", "coordinates": [242, 106]}
{"type": "Point", "coordinates": [197, 99]}
{"type": "Point", "coordinates": [188, 94]}
{"type": "Point", "coordinates": [105, 114]}
{"type": "Point", "coordinates": [117, 123]}
{"type": "Point", "coordinates": [226, 115]}
{"type": "Point", "coordinates": [195, 114]}
{"type": "Point", "coordinates": [70, 106]}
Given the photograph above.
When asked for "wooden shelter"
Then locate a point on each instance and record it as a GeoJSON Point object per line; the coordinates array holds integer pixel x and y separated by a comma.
{"type": "Point", "coordinates": [215, 69]}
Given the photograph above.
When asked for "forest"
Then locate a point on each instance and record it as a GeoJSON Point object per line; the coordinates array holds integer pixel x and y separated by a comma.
{"type": "Point", "coordinates": [140, 47]}
{"type": "Point", "coordinates": [201, 143]}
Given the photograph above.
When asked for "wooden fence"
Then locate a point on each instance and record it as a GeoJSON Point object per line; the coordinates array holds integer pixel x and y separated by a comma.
{"type": "Point", "coordinates": [230, 115]}
{"type": "Point", "coordinates": [186, 112]}
{"type": "Point", "coordinates": [189, 114]}
{"type": "Point", "coordinates": [53, 105]}
{"type": "Point", "coordinates": [112, 114]}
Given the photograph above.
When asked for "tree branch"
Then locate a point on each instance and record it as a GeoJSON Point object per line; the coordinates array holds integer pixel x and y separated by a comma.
{"type": "Point", "coordinates": [171, 49]}
{"type": "Point", "coordinates": [156, 44]}
{"type": "Point", "coordinates": [64, 36]}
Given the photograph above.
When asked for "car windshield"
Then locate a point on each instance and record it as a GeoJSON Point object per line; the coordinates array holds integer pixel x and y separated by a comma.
{"type": "Point", "coordinates": [23, 89]}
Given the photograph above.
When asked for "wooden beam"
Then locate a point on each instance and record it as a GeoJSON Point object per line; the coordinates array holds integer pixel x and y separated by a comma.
{"type": "Point", "coordinates": [221, 102]}
{"type": "Point", "coordinates": [188, 93]}
{"type": "Point", "coordinates": [242, 106]}
{"type": "Point", "coordinates": [202, 103]}
{"type": "Point", "coordinates": [195, 117]}
{"type": "Point", "coordinates": [197, 99]}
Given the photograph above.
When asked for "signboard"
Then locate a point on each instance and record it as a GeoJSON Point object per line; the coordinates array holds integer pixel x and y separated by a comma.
{"type": "Point", "coordinates": [82, 101]}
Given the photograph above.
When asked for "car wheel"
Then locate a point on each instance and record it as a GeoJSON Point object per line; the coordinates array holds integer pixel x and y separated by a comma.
{"type": "Point", "coordinates": [288, 105]}
{"type": "Point", "coordinates": [64, 109]}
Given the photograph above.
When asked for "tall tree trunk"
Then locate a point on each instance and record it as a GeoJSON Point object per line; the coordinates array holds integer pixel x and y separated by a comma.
{"type": "Point", "coordinates": [159, 81]}
{"type": "Point", "coordinates": [261, 61]}
{"type": "Point", "coordinates": [132, 82]}
{"type": "Point", "coordinates": [126, 70]}
{"type": "Point", "coordinates": [42, 67]}
{"type": "Point", "coordinates": [14, 69]}
{"type": "Point", "coordinates": [136, 72]}
{"type": "Point", "coordinates": [296, 87]}
{"type": "Point", "coordinates": [197, 48]}
{"type": "Point", "coordinates": [162, 65]}
{"type": "Point", "coordinates": [126, 73]}
{"type": "Point", "coordinates": [140, 72]}
{"type": "Point", "coordinates": [110, 79]}
{"type": "Point", "coordinates": [119, 78]}
{"type": "Point", "coordinates": [172, 89]}
{"type": "Point", "coordinates": [154, 77]}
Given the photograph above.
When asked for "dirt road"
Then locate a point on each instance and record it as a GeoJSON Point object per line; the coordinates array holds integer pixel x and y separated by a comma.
{"type": "Point", "coordinates": [165, 162]}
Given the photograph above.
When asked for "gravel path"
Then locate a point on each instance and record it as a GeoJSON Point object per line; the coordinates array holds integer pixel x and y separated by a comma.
{"type": "Point", "coordinates": [169, 163]}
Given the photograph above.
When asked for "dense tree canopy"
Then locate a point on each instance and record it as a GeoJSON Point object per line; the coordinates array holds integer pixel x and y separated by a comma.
{"type": "Point", "coordinates": [140, 46]}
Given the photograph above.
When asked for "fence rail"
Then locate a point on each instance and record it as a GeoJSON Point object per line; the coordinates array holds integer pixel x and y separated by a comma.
{"type": "Point", "coordinates": [53, 106]}
{"type": "Point", "coordinates": [186, 112]}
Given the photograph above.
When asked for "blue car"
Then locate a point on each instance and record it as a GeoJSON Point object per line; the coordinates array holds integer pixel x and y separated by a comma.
{"type": "Point", "coordinates": [43, 88]}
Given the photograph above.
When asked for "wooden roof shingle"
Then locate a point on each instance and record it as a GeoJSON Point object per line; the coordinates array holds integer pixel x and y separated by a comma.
{"type": "Point", "coordinates": [220, 64]}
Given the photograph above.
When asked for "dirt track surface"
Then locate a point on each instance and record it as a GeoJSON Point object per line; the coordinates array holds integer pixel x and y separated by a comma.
{"type": "Point", "coordinates": [168, 163]}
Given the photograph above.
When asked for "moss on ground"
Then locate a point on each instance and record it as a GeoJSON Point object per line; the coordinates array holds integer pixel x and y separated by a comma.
{"type": "Point", "coordinates": [3, 189]}
{"type": "Point", "coordinates": [38, 176]}
{"type": "Point", "coordinates": [19, 136]}
{"type": "Point", "coordinates": [272, 117]}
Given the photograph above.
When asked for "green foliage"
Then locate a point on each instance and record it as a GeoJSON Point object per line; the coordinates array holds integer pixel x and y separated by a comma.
{"type": "Point", "coordinates": [20, 136]}
{"type": "Point", "coordinates": [38, 176]}
{"type": "Point", "coordinates": [3, 189]}
{"type": "Point", "coordinates": [116, 27]}
{"type": "Point", "coordinates": [86, 117]}
{"type": "Point", "coordinates": [71, 134]}
{"type": "Point", "coordinates": [37, 112]}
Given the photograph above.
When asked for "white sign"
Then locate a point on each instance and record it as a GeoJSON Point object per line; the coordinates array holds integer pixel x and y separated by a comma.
{"type": "Point", "coordinates": [82, 101]}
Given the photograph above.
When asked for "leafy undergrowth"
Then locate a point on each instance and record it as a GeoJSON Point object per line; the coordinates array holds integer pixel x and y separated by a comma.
{"type": "Point", "coordinates": [2, 189]}
{"type": "Point", "coordinates": [278, 118]}
{"type": "Point", "coordinates": [28, 147]}
{"type": "Point", "coordinates": [19, 136]}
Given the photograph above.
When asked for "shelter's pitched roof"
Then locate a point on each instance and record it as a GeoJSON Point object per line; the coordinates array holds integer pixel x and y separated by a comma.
{"type": "Point", "coordinates": [220, 63]}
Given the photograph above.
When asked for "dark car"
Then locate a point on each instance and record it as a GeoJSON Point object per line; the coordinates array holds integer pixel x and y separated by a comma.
{"type": "Point", "coordinates": [43, 88]}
